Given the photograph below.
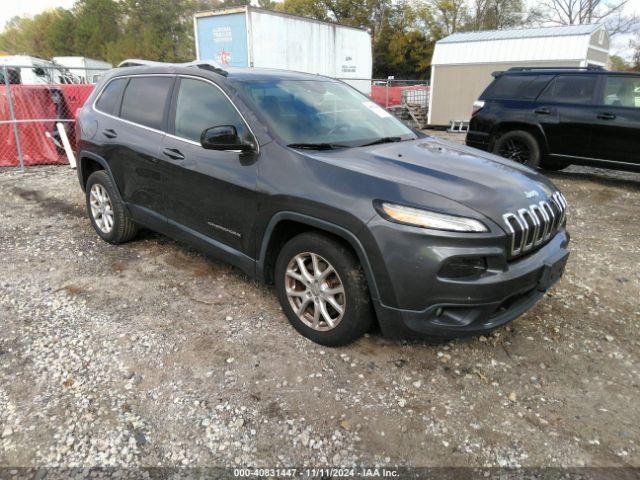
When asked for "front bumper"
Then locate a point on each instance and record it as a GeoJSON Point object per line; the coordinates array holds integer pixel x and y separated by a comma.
{"type": "Point", "coordinates": [457, 308]}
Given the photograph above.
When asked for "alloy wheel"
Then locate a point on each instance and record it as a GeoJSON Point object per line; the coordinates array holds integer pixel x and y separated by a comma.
{"type": "Point", "coordinates": [315, 291]}
{"type": "Point", "coordinates": [516, 150]}
{"type": "Point", "coordinates": [101, 208]}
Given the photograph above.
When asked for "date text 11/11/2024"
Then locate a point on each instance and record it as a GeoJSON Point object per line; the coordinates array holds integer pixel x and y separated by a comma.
{"type": "Point", "coordinates": [364, 472]}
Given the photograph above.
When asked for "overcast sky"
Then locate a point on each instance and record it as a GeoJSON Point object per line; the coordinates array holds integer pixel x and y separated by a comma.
{"type": "Point", "coordinates": [11, 8]}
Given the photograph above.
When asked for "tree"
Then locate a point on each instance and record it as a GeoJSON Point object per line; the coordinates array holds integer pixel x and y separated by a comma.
{"type": "Point", "coordinates": [618, 64]}
{"type": "Point", "coordinates": [159, 30]}
{"type": "Point", "coordinates": [497, 14]}
{"type": "Point", "coordinates": [443, 17]}
{"type": "Point", "coordinates": [401, 49]}
{"type": "Point", "coordinates": [579, 12]}
{"type": "Point", "coordinates": [96, 26]}
{"type": "Point", "coordinates": [635, 60]}
{"type": "Point", "coordinates": [368, 14]}
{"type": "Point", "coordinates": [46, 35]}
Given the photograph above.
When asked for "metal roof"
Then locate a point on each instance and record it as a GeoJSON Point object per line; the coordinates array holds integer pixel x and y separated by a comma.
{"type": "Point", "coordinates": [487, 35]}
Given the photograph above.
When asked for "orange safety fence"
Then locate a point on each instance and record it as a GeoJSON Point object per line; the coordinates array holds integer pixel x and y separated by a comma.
{"type": "Point", "coordinates": [37, 109]}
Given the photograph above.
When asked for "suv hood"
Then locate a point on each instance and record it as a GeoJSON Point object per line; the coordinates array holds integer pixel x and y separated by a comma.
{"type": "Point", "coordinates": [478, 180]}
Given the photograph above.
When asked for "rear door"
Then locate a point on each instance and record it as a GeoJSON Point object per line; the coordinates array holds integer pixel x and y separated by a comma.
{"type": "Point", "coordinates": [213, 193]}
{"type": "Point", "coordinates": [616, 128]}
{"type": "Point", "coordinates": [137, 136]}
{"type": "Point", "coordinates": [565, 111]}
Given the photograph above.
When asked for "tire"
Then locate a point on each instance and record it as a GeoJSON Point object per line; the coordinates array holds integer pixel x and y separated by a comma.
{"type": "Point", "coordinates": [356, 317]}
{"type": "Point", "coordinates": [100, 193]}
{"type": "Point", "coordinates": [519, 146]}
{"type": "Point", "coordinates": [554, 165]}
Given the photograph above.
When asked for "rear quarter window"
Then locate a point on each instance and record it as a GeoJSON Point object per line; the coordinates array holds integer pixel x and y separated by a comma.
{"type": "Point", "coordinates": [517, 87]}
{"type": "Point", "coordinates": [575, 89]}
{"type": "Point", "coordinates": [145, 100]}
{"type": "Point", "coordinates": [111, 96]}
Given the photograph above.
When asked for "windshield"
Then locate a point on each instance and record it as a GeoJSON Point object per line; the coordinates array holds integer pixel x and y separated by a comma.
{"type": "Point", "coordinates": [322, 112]}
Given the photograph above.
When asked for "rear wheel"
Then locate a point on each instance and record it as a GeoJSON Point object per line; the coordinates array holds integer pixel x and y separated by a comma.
{"type": "Point", "coordinates": [106, 211]}
{"type": "Point", "coordinates": [322, 289]}
{"type": "Point", "coordinates": [519, 146]}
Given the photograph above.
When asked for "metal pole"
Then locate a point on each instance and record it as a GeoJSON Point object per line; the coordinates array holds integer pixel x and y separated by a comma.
{"type": "Point", "coordinates": [12, 112]}
{"type": "Point", "coordinates": [386, 105]}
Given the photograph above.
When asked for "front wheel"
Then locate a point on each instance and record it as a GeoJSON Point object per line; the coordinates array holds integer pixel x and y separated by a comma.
{"type": "Point", "coordinates": [323, 290]}
{"type": "Point", "coordinates": [519, 146]}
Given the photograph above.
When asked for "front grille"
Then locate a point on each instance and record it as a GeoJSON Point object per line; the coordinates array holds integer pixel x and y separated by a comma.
{"type": "Point", "coordinates": [528, 228]}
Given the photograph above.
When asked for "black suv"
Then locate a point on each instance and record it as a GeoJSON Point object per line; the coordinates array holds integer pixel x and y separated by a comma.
{"type": "Point", "coordinates": [301, 181]}
{"type": "Point", "coordinates": [557, 117]}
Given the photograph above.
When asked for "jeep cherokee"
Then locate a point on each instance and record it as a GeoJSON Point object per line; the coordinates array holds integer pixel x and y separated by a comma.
{"type": "Point", "coordinates": [301, 181]}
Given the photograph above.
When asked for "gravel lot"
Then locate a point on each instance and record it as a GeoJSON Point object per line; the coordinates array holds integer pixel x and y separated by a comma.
{"type": "Point", "coordinates": [150, 354]}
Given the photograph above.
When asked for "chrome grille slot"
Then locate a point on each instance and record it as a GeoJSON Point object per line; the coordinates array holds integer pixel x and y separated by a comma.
{"type": "Point", "coordinates": [528, 228]}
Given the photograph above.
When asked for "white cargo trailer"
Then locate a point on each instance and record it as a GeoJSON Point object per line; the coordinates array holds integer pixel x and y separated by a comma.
{"type": "Point", "coordinates": [253, 37]}
{"type": "Point", "coordinates": [88, 70]}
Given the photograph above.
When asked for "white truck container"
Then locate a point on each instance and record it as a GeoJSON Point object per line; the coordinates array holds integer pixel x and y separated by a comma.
{"type": "Point", "coordinates": [252, 37]}
{"type": "Point", "coordinates": [86, 69]}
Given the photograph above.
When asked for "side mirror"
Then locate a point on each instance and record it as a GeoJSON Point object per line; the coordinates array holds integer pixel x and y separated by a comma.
{"type": "Point", "coordinates": [223, 137]}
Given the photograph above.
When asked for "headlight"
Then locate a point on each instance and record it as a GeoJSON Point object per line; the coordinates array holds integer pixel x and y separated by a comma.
{"type": "Point", "coordinates": [426, 219]}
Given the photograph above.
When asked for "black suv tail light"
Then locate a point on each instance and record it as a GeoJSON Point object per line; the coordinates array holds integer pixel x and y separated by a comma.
{"type": "Point", "coordinates": [477, 106]}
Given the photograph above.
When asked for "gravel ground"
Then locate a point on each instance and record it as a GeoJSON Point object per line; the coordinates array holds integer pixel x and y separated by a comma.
{"type": "Point", "coordinates": [150, 354]}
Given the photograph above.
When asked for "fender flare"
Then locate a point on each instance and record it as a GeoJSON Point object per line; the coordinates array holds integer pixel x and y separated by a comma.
{"type": "Point", "coordinates": [337, 230]}
{"type": "Point", "coordinates": [97, 158]}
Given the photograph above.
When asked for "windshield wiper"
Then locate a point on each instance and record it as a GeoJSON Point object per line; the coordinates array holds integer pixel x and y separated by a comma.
{"type": "Point", "coordinates": [383, 140]}
{"type": "Point", "coordinates": [317, 146]}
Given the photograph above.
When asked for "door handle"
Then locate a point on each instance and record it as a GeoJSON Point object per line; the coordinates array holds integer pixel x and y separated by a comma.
{"type": "Point", "coordinates": [173, 153]}
{"type": "Point", "coordinates": [109, 133]}
{"type": "Point", "coordinates": [606, 116]}
{"type": "Point", "coordinates": [542, 111]}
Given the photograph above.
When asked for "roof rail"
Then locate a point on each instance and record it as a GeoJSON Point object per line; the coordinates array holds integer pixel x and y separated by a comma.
{"type": "Point", "coordinates": [210, 65]}
{"type": "Point", "coordinates": [525, 69]}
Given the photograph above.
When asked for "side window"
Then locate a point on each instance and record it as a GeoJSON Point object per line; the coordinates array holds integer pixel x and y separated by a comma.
{"type": "Point", "coordinates": [111, 96]}
{"type": "Point", "coordinates": [622, 91]}
{"type": "Point", "coordinates": [518, 87]}
{"type": "Point", "coordinates": [201, 105]}
{"type": "Point", "coordinates": [145, 99]}
{"type": "Point", "coordinates": [570, 89]}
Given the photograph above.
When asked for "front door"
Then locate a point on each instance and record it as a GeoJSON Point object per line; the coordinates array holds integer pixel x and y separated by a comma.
{"type": "Point", "coordinates": [616, 129]}
{"type": "Point", "coordinates": [213, 193]}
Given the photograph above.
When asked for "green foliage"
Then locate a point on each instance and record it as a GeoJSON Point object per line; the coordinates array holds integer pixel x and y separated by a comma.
{"type": "Point", "coordinates": [618, 64]}
{"type": "Point", "coordinates": [96, 26]}
{"type": "Point", "coordinates": [155, 30]}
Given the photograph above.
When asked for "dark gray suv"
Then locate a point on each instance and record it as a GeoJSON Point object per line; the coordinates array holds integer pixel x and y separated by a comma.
{"type": "Point", "coordinates": [301, 181]}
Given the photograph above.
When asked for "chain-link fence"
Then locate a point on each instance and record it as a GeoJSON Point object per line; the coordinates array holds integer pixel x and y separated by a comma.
{"type": "Point", "coordinates": [38, 107]}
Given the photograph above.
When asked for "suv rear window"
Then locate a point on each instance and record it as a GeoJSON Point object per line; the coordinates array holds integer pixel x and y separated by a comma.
{"type": "Point", "coordinates": [517, 87]}
{"type": "Point", "coordinates": [109, 101]}
{"type": "Point", "coordinates": [145, 99]}
{"type": "Point", "coordinates": [571, 89]}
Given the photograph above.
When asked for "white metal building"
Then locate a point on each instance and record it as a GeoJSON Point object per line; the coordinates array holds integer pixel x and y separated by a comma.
{"type": "Point", "coordinates": [463, 62]}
